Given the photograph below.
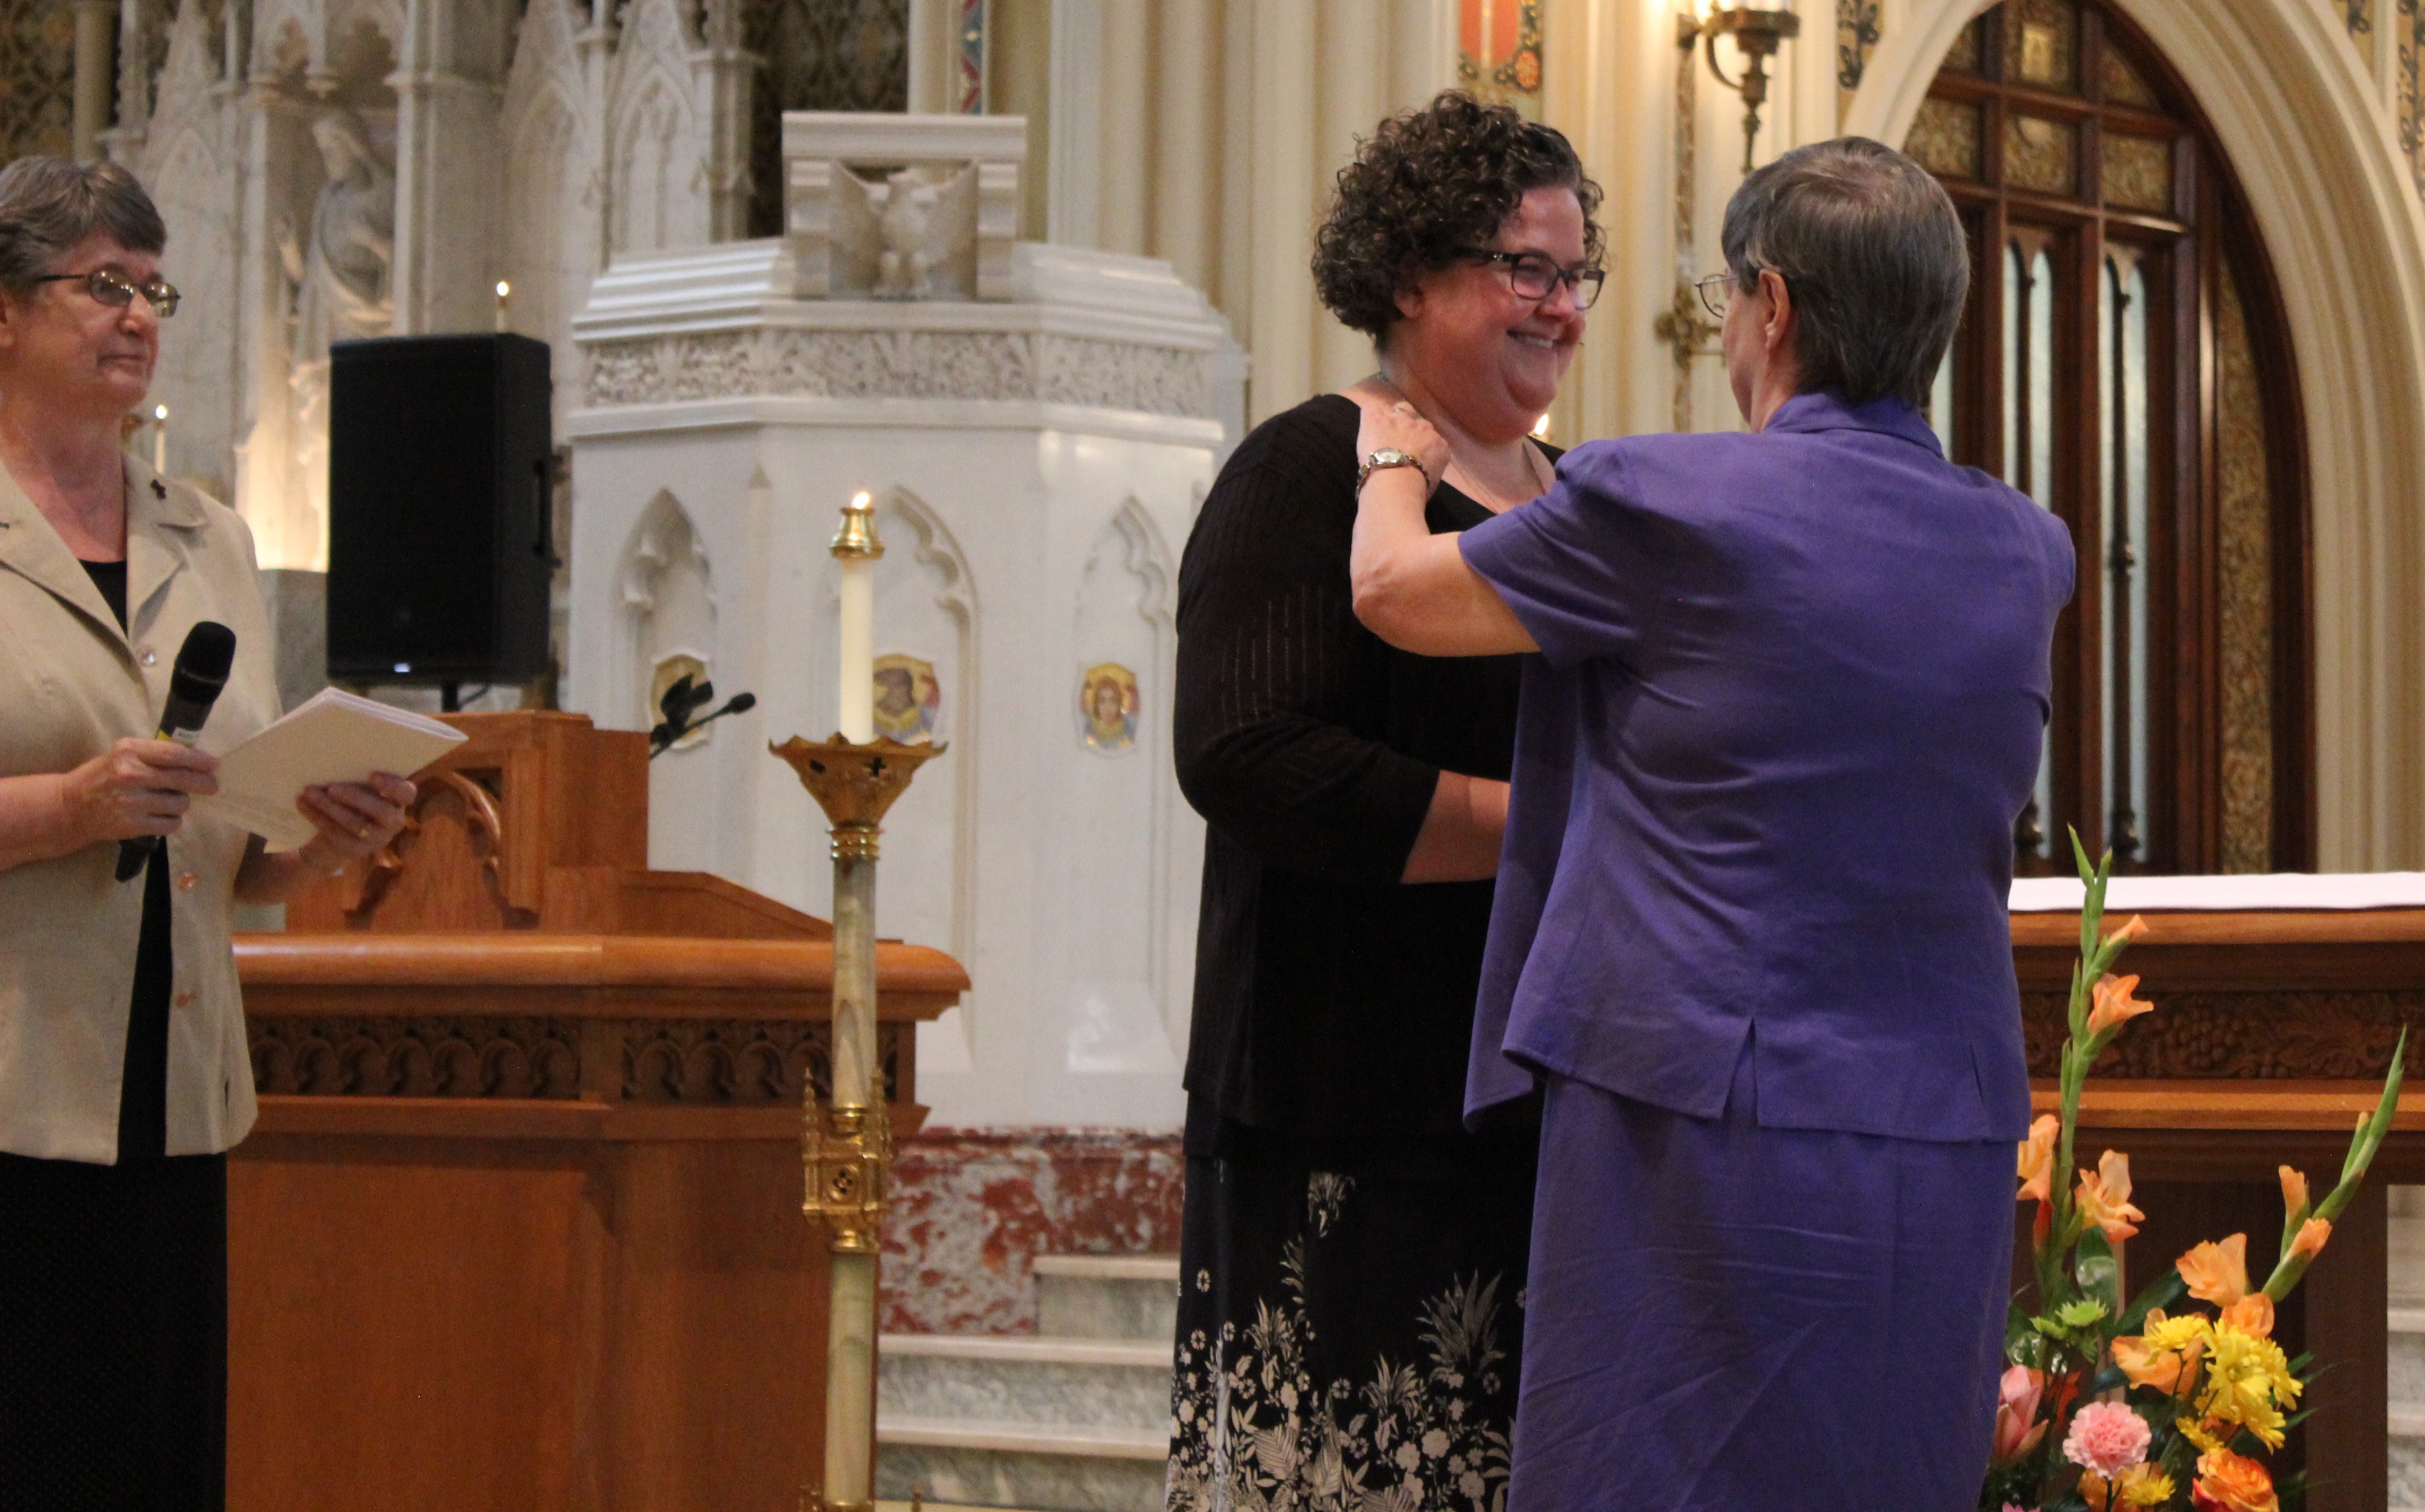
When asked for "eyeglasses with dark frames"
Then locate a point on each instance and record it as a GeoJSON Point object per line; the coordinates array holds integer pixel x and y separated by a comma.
{"type": "Point", "coordinates": [1716, 292]}
{"type": "Point", "coordinates": [116, 293]}
{"type": "Point", "coordinates": [1534, 276]}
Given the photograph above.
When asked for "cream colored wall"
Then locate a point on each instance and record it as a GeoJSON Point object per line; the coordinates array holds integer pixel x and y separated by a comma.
{"type": "Point", "coordinates": [1207, 132]}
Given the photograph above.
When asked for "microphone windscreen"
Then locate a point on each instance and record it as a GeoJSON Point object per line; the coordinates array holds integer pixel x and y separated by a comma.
{"type": "Point", "coordinates": [202, 663]}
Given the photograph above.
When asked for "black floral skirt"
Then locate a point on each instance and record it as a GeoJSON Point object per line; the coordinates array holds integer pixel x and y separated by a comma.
{"type": "Point", "coordinates": [1349, 1324]}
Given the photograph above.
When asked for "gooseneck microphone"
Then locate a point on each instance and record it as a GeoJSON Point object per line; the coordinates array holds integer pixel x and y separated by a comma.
{"type": "Point", "coordinates": [685, 698]}
{"type": "Point", "coordinates": [194, 685]}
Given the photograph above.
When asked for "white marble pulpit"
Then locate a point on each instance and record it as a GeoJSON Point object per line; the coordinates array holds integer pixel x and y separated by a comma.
{"type": "Point", "coordinates": [1037, 425]}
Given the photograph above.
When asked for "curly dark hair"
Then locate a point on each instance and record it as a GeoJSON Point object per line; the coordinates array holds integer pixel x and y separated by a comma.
{"type": "Point", "coordinates": [1426, 183]}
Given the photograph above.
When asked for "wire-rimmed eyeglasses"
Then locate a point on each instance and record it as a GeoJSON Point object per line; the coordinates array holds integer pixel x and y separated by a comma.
{"type": "Point", "coordinates": [116, 293]}
{"type": "Point", "coordinates": [1716, 292]}
{"type": "Point", "coordinates": [1534, 276]}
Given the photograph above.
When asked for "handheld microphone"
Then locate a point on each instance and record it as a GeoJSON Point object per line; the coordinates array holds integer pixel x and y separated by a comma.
{"type": "Point", "coordinates": [194, 683]}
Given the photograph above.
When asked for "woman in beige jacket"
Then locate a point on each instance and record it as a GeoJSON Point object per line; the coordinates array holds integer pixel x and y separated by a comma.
{"type": "Point", "coordinates": [123, 1070]}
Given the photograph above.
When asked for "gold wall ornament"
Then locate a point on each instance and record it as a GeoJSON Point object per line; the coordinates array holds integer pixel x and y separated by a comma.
{"type": "Point", "coordinates": [1758, 33]}
{"type": "Point", "coordinates": [1108, 707]}
{"type": "Point", "coordinates": [909, 697]}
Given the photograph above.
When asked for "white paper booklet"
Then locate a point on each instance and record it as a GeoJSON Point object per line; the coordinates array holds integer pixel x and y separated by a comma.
{"type": "Point", "coordinates": [334, 737]}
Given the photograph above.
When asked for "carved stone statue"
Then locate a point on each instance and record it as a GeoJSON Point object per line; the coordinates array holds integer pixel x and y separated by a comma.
{"type": "Point", "coordinates": [904, 261]}
{"type": "Point", "coordinates": [340, 285]}
{"type": "Point", "coordinates": [341, 276]}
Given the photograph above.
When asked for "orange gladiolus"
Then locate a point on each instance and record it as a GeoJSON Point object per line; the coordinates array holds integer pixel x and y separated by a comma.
{"type": "Point", "coordinates": [2037, 1166]}
{"type": "Point", "coordinates": [2114, 1003]}
{"type": "Point", "coordinates": [2172, 1372]}
{"type": "Point", "coordinates": [2295, 1192]}
{"type": "Point", "coordinates": [2217, 1273]}
{"type": "Point", "coordinates": [2104, 1197]}
{"type": "Point", "coordinates": [2133, 930]}
{"type": "Point", "coordinates": [2229, 1483]}
{"type": "Point", "coordinates": [2310, 1242]}
{"type": "Point", "coordinates": [2252, 1315]}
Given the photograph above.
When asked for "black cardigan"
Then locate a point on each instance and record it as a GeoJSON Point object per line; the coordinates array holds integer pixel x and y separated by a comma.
{"type": "Point", "coordinates": [1332, 1001]}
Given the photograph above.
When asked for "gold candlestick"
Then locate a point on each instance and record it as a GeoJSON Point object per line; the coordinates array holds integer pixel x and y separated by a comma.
{"type": "Point", "coordinates": [848, 1147]}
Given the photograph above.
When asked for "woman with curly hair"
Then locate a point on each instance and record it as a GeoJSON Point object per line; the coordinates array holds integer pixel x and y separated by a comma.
{"type": "Point", "coordinates": [1351, 1257]}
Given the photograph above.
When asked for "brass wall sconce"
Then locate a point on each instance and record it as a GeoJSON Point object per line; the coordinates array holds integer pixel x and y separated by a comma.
{"type": "Point", "coordinates": [1759, 34]}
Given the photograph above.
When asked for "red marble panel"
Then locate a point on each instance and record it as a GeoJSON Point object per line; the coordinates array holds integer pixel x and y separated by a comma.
{"type": "Point", "coordinates": [972, 1208]}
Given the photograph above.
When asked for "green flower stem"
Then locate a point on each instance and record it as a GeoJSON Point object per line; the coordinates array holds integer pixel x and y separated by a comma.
{"type": "Point", "coordinates": [2291, 1269]}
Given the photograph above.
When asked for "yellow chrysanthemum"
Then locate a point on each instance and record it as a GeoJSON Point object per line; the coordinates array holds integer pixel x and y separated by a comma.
{"type": "Point", "coordinates": [2142, 1485]}
{"type": "Point", "coordinates": [2158, 1357]}
{"type": "Point", "coordinates": [2195, 1433]}
{"type": "Point", "coordinates": [2247, 1382]}
{"type": "Point", "coordinates": [2165, 1334]}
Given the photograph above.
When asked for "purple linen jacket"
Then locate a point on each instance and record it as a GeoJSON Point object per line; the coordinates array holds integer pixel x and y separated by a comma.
{"type": "Point", "coordinates": [1792, 695]}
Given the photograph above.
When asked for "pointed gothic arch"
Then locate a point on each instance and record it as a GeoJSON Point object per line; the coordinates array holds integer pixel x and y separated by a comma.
{"type": "Point", "coordinates": [2289, 103]}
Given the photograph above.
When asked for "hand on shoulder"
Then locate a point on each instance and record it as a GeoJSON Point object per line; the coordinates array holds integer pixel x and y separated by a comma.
{"type": "Point", "coordinates": [1390, 423]}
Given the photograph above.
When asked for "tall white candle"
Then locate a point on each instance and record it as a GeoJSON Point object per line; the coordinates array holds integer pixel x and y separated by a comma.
{"type": "Point", "coordinates": [505, 293]}
{"type": "Point", "coordinates": [857, 550]}
{"type": "Point", "coordinates": [160, 438]}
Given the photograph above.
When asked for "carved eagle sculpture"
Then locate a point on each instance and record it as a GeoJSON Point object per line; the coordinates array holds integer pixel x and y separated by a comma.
{"type": "Point", "coordinates": [914, 237]}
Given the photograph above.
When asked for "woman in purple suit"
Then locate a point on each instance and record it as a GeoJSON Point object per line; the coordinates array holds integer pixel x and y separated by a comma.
{"type": "Point", "coordinates": [1750, 935]}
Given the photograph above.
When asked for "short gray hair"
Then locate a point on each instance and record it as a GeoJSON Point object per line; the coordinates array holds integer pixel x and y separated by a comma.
{"type": "Point", "coordinates": [49, 204]}
{"type": "Point", "coordinates": [1874, 257]}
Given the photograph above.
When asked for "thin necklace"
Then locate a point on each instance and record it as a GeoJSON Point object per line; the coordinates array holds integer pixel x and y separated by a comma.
{"type": "Point", "coordinates": [1534, 462]}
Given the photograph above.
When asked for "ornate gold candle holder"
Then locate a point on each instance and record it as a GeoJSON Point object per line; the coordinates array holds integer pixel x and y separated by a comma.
{"type": "Point", "coordinates": [846, 1151]}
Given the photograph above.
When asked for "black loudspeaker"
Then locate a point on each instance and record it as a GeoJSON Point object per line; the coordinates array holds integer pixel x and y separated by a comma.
{"type": "Point", "coordinates": [441, 495]}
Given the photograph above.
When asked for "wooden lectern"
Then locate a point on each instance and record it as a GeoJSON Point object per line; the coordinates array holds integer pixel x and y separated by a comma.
{"type": "Point", "coordinates": [2271, 1033]}
{"type": "Point", "coordinates": [520, 1227]}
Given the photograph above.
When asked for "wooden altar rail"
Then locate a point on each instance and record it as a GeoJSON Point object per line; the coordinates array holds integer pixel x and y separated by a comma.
{"type": "Point", "coordinates": [2271, 1033]}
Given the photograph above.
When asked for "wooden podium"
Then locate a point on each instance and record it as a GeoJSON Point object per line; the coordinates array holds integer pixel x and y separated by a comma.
{"type": "Point", "coordinates": [520, 1227]}
{"type": "Point", "coordinates": [2271, 1033]}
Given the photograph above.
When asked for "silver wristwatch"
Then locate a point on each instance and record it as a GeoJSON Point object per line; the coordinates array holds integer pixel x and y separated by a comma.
{"type": "Point", "coordinates": [1387, 457]}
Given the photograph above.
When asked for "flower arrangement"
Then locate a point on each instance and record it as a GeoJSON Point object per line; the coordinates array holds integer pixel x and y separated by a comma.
{"type": "Point", "coordinates": [2109, 1405]}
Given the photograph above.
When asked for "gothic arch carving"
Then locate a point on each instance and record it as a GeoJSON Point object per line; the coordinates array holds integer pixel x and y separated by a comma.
{"type": "Point", "coordinates": [1125, 611]}
{"type": "Point", "coordinates": [951, 589]}
{"type": "Point", "coordinates": [2341, 217]}
{"type": "Point", "coordinates": [666, 602]}
{"type": "Point", "coordinates": [550, 240]}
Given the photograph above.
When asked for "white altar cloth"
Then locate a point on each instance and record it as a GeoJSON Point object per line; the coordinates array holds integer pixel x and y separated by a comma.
{"type": "Point", "coordinates": [2283, 890]}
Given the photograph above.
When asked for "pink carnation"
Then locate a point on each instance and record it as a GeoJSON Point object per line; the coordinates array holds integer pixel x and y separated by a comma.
{"type": "Point", "coordinates": [2107, 1438]}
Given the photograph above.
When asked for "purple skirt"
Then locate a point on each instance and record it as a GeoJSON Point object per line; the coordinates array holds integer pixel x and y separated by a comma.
{"type": "Point", "coordinates": [1727, 1318]}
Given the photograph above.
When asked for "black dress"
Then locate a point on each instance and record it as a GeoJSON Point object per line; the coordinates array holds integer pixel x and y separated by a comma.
{"type": "Point", "coordinates": [1351, 1258]}
{"type": "Point", "coordinates": [113, 1283]}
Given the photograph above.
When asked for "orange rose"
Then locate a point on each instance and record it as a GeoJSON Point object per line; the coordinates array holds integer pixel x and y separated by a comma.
{"type": "Point", "coordinates": [2310, 1242]}
{"type": "Point", "coordinates": [2104, 1197]}
{"type": "Point", "coordinates": [2252, 1315]}
{"type": "Point", "coordinates": [2229, 1483]}
{"type": "Point", "coordinates": [2217, 1273]}
{"type": "Point", "coordinates": [2037, 1160]}
{"type": "Point", "coordinates": [2114, 1003]}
